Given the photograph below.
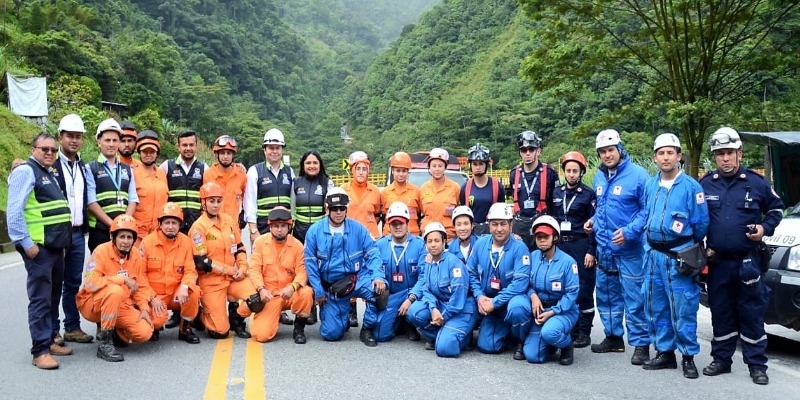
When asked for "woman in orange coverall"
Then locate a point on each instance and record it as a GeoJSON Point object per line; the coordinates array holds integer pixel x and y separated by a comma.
{"type": "Point", "coordinates": [221, 262]}
{"type": "Point", "coordinates": [439, 194]}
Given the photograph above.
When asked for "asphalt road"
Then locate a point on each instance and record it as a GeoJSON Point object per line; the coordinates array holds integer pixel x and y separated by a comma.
{"type": "Point", "coordinates": [245, 369]}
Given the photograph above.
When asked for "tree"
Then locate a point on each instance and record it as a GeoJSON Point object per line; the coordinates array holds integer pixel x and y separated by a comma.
{"type": "Point", "coordinates": [693, 58]}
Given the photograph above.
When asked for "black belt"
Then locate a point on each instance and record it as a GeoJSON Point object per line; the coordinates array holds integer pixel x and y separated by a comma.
{"type": "Point", "coordinates": [77, 228]}
{"type": "Point", "coordinates": [549, 303]}
{"type": "Point", "coordinates": [666, 246]}
{"type": "Point", "coordinates": [572, 238]}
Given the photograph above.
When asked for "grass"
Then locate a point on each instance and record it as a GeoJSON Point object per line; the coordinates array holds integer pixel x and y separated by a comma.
{"type": "Point", "coordinates": [15, 138]}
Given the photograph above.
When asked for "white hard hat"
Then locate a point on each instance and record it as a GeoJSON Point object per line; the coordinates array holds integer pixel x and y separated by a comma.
{"type": "Point", "coordinates": [725, 138]}
{"type": "Point", "coordinates": [108, 125]}
{"type": "Point", "coordinates": [607, 137]}
{"type": "Point", "coordinates": [463, 210]}
{"type": "Point", "coordinates": [71, 123]}
{"type": "Point", "coordinates": [434, 227]}
{"type": "Point", "coordinates": [274, 136]}
{"type": "Point", "coordinates": [398, 209]}
{"type": "Point", "coordinates": [545, 221]}
{"type": "Point", "coordinates": [667, 139]}
{"type": "Point", "coordinates": [357, 157]}
{"type": "Point", "coordinates": [439, 154]}
{"type": "Point", "coordinates": [500, 211]}
{"type": "Point", "coordinates": [337, 197]}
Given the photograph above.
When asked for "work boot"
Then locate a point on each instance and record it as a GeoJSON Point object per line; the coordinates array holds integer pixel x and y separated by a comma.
{"type": "Point", "coordinates": [45, 361]}
{"type": "Point", "coordinates": [518, 353]}
{"type": "Point", "coordinates": [116, 340]}
{"type": "Point", "coordinates": [759, 377]}
{"type": "Point", "coordinates": [238, 325]}
{"type": "Point", "coordinates": [430, 345]}
{"type": "Point", "coordinates": [565, 358]}
{"type": "Point", "coordinates": [352, 316]}
{"type": "Point", "coordinates": [217, 335]}
{"type": "Point", "coordinates": [640, 355]}
{"type": "Point", "coordinates": [663, 360]}
{"type": "Point", "coordinates": [411, 333]}
{"type": "Point", "coordinates": [716, 368]}
{"type": "Point", "coordinates": [198, 324]}
{"type": "Point", "coordinates": [174, 320]}
{"type": "Point", "coordinates": [57, 350]}
{"type": "Point", "coordinates": [57, 339]}
{"type": "Point", "coordinates": [156, 335]}
{"type": "Point", "coordinates": [77, 336]}
{"type": "Point", "coordinates": [286, 319]}
{"type": "Point", "coordinates": [689, 369]}
{"type": "Point", "coordinates": [312, 319]}
{"type": "Point", "coordinates": [367, 337]}
{"type": "Point", "coordinates": [611, 344]}
{"type": "Point", "coordinates": [105, 347]}
{"type": "Point", "coordinates": [299, 334]}
{"type": "Point", "coordinates": [185, 333]}
{"type": "Point", "coordinates": [582, 340]}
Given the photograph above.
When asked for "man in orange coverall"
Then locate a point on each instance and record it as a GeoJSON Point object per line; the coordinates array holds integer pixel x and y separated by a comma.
{"type": "Point", "coordinates": [230, 175]}
{"type": "Point", "coordinates": [115, 282]}
{"type": "Point", "coordinates": [277, 269]}
{"type": "Point", "coordinates": [171, 273]}
{"type": "Point", "coordinates": [127, 144]}
{"type": "Point", "coordinates": [221, 261]}
{"type": "Point", "coordinates": [151, 185]}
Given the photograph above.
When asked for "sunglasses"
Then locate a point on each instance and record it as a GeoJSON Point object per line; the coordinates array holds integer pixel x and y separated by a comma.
{"type": "Point", "coordinates": [722, 138]}
{"type": "Point", "coordinates": [226, 140]}
{"type": "Point", "coordinates": [337, 208]}
{"type": "Point", "coordinates": [527, 149]}
{"type": "Point", "coordinates": [48, 149]}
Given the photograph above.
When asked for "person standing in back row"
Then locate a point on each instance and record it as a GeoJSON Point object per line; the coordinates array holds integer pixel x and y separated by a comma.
{"type": "Point", "coordinates": [439, 194]}
{"type": "Point", "coordinates": [532, 185]}
{"type": "Point", "coordinates": [184, 178]}
{"type": "Point", "coordinates": [402, 190]}
{"type": "Point", "coordinates": [481, 191]}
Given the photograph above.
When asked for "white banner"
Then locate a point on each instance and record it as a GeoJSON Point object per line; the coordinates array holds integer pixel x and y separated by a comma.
{"type": "Point", "coordinates": [27, 96]}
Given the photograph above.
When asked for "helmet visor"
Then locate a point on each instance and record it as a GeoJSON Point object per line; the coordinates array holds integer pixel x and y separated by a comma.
{"type": "Point", "coordinates": [223, 141]}
{"type": "Point", "coordinates": [723, 139]}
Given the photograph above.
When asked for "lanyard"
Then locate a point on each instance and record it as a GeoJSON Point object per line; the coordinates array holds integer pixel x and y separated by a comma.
{"type": "Point", "coordinates": [399, 258]}
{"type": "Point", "coordinates": [496, 265]}
{"type": "Point", "coordinates": [568, 206]}
{"type": "Point", "coordinates": [115, 179]}
{"type": "Point", "coordinates": [529, 189]}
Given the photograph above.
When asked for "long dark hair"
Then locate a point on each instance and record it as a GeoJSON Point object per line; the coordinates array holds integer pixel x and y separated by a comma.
{"type": "Point", "coordinates": [322, 176]}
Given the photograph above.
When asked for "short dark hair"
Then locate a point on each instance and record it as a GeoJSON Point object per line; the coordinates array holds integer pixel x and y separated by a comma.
{"type": "Point", "coordinates": [186, 134]}
{"type": "Point", "coordinates": [41, 136]}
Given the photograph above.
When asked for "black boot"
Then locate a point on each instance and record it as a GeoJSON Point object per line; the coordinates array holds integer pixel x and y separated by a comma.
{"type": "Point", "coordinates": [582, 340]}
{"type": "Point", "coordinates": [352, 317]}
{"type": "Point", "coordinates": [174, 320]}
{"type": "Point", "coordinates": [156, 335]}
{"type": "Point", "coordinates": [411, 333]}
{"type": "Point", "coordinates": [663, 360]}
{"type": "Point", "coordinates": [689, 369]}
{"type": "Point", "coordinates": [299, 334]}
{"type": "Point", "coordinates": [286, 319]}
{"type": "Point", "coordinates": [640, 355]}
{"type": "Point", "coordinates": [716, 368]}
{"type": "Point", "coordinates": [106, 349]}
{"type": "Point", "coordinates": [759, 376]}
{"type": "Point", "coordinates": [312, 319]}
{"type": "Point", "coordinates": [238, 326]}
{"type": "Point", "coordinates": [198, 321]}
{"type": "Point", "coordinates": [367, 337]}
{"type": "Point", "coordinates": [565, 358]}
{"type": "Point", "coordinates": [611, 344]}
{"type": "Point", "coordinates": [185, 333]}
{"type": "Point", "coordinates": [518, 353]}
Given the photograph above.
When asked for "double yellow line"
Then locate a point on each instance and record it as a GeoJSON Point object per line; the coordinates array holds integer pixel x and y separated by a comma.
{"type": "Point", "coordinates": [217, 385]}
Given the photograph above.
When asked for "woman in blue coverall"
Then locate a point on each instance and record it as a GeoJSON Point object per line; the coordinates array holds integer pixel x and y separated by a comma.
{"type": "Point", "coordinates": [446, 302]}
{"type": "Point", "coordinates": [461, 246]}
{"type": "Point", "coordinates": [553, 290]}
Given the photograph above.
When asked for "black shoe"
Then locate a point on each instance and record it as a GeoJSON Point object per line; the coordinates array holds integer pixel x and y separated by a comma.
{"type": "Point", "coordinates": [611, 344]}
{"type": "Point", "coordinates": [299, 334]}
{"type": "Point", "coordinates": [582, 340]}
{"type": "Point", "coordinates": [689, 369]}
{"type": "Point", "coordinates": [156, 335]}
{"type": "Point", "coordinates": [716, 368]}
{"type": "Point", "coordinates": [352, 316]}
{"type": "Point", "coordinates": [217, 335]}
{"type": "Point", "coordinates": [473, 343]}
{"type": "Point", "coordinates": [116, 340]}
{"type": "Point", "coordinates": [312, 319]}
{"type": "Point", "coordinates": [286, 319]}
{"type": "Point", "coordinates": [566, 358]}
{"type": "Point", "coordinates": [663, 360]}
{"type": "Point", "coordinates": [186, 333]}
{"type": "Point", "coordinates": [411, 333]}
{"type": "Point", "coordinates": [759, 377]}
{"type": "Point", "coordinates": [518, 353]}
{"type": "Point", "coordinates": [198, 324]}
{"type": "Point", "coordinates": [237, 323]}
{"type": "Point", "coordinates": [174, 320]}
{"type": "Point", "coordinates": [640, 355]}
{"type": "Point", "coordinates": [430, 345]}
{"type": "Point", "coordinates": [106, 349]}
{"type": "Point", "coordinates": [367, 337]}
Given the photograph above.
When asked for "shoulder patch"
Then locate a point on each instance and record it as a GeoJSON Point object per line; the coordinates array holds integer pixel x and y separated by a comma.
{"type": "Point", "coordinates": [700, 198]}
{"type": "Point", "coordinates": [457, 272]}
{"type": "Point", "coordinates": [526, 260]}
{"type": "Point", "coordinates": [197, 237]}
{"type": "Point", "coordinates": [575, 269]}
{"type": "Point", "coordinates": [91, 265]}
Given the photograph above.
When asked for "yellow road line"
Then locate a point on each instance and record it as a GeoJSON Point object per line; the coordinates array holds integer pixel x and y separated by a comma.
{"type": "Point", "coordinates": [254, 371]}
{"type": "Point", "coordinates": [217, 385]}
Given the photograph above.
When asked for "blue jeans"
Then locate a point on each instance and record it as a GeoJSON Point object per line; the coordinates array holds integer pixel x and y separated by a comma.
{"type": "Point", "coordinates": [45, 274]}
{"type": "Point", "coordinates": [73, 276]}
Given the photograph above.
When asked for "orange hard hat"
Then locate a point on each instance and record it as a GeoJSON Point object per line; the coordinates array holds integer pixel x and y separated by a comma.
{"type": "Point", "coordinates": [171, 210]}
{"type": "Point", "coordinates": [225, 142]}
{"type": "Point", "coordinates": [574, 156]}
{"type": "Point", "coordinates": [123, 222]}
{"type": "Point", "coordinates": [211, 189]}
{"type": "Point", "coordinates": [400, 160]}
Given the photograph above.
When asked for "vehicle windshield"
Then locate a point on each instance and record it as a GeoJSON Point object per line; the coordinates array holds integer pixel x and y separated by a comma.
{"type": "Point", "coordinates": [419, 177]}
{"type": "Point", "coordinates": [793, 212]}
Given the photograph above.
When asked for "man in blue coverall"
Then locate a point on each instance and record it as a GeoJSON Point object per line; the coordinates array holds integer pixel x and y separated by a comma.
{"type": "Point", "coordinates": [742, 208]}
{"type": "Point", "coordinates": [342, 261]}
{"type": "Point", "coordinates": [618, 226]}
{"type": "Point", "coordinates": [498, 274]}
{"type": "Point", "coordinates": [677, 219]}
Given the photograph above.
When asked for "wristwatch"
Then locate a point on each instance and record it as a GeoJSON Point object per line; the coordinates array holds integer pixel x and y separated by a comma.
{"type": "Point", "coordinates": [253, 231]}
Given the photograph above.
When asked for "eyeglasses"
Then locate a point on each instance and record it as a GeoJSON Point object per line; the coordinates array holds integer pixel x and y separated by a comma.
{"type": "Point", "coordinates": [722, 138]}
{"type": "Point", "coordinates": [527, 149]}
{"type": "Point", "coordinates": [53, 150]}
{"type": "Point", "coordinates": [226, 140]}
{"type": "Point", "coordinates": [337, 208]}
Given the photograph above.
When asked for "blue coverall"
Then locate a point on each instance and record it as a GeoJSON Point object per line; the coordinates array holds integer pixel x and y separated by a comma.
{"type": "Point", "coordinates": [446, 288]}
{"type": "Point", "coordinates": [677, 219]}
{"type": "Point", "coordinates": [330, 257]}
{"type": "Point", "coordinates": [500, 276]}
{"type": "Point", "coordinates": [557, 284]}
{"type": "Point", "coordinates": [620, 205]}
{"type": "Point", "coordinates": [455, 247]}
{"type": "Point", "coordinates": [400, 268]}
{"type": "Point", "coordinates": [737, 294]}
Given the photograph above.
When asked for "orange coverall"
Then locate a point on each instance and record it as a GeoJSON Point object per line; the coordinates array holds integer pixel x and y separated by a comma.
{"type": "Point", "coordinates": [438, 202]}
{"type": "Point", "coordinates": [274, 267]}
{"type": "Point", "coordinates": [222, 243]}
{"type": "Point", "coordinates": [131, 162]}
{"type": "Point", "coordinates": [365, 204]}
{"type": "Point", "coordinates": [153, 192]}
{"type": "Point", "coordinates": [105, 298]}
{"type": "Point", "coordinates": [409, 194]}
{"type": "Point", "coordinates": [169, 264]}
{"type": "Point", "coordinates": [233, 182]}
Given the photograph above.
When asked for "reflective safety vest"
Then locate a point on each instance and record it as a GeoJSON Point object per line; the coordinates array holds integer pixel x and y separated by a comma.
{"type": "Point", "coordinates": [309, 195]}
{"type": "Point", "coordinates": [112, 196]}
{"type": "Point", "coordinates": [184, 189]}
{"type": "Point", "coordinates": [47, 213]}
{"type": "Point", "coordinates": [271, 191]}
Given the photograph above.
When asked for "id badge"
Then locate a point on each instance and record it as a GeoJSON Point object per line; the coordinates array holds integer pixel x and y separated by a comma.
{"type": "Point", "coordinates": [397, 277]}
{"type": "Point", "coordinates": [529, 204]}
{"type": "Point", "coordinates": [566, 226]}
{"type": "Point", "coordinates": [122, 272]}
{"type": "Point", "coordinates": [494, 283]}
{"type": "Point", "coordinates": [120, 201]}
{"type": "Point", "coordinates": [233, 248]}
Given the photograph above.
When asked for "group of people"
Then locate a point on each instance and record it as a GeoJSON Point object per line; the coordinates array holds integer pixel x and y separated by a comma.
{"type": "Point", "coordinates": [437, 261]}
